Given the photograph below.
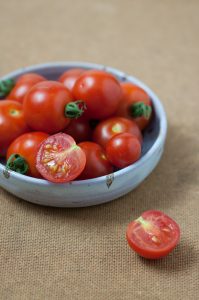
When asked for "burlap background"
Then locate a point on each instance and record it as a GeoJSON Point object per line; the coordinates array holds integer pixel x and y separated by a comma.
{"type": "Point", "coordinates": [82, 253]}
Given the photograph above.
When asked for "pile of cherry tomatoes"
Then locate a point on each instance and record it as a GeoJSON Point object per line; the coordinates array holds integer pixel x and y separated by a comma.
{"type": "Point", "coordinates": [84, 125]}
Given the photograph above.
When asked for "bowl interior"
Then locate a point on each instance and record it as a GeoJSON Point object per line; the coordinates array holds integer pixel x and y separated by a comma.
{"type": "Point", "coordinates": [53, 71]}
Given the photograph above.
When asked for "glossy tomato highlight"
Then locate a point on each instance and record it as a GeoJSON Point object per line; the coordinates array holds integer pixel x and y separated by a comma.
{"type": "Point", "coordinates": [108, 128]}
{"type": "Point", "coordinates": [23, 85]}
{"type": "Point", "coordinates": [69, 77]}
{"type": "Point", "coordinates": [46, 107]}
{"type": "Point", "coordinates": [100, 91]}
{"type": "Point", "coordinates": [25, 147]}
{"type": "Point", "coordinates": [12, 123]}
{"type": "Point", "coordinates": [97, 163]}
{"type": "Point", "coordinates": [123, 150]}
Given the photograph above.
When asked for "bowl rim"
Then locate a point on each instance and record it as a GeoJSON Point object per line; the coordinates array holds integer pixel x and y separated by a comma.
{"type": "Point", "coordinates": [124, 77]}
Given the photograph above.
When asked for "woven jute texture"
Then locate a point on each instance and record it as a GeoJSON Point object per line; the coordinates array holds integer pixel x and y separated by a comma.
{"type": "Point", "coordinates": [72, 254]}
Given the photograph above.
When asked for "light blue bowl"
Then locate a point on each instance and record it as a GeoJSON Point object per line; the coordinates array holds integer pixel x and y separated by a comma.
{"type": "Point", "coordinates": [102, 189]}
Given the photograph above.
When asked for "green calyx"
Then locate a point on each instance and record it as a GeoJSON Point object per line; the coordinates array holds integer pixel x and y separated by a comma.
{"type": "Point", "coordinates": [74, 110]}
{"type": "Point", "coordinates": [17, 163]}
{"type": "Point", "coordinates": [140, 109]}
{"type": "Point", "coordinates": [5, 87]}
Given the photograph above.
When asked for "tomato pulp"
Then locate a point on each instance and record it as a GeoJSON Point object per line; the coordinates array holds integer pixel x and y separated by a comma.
{"type": "Point", "coordinates": [59, 159]}
{"type": "Point", "coordinates": [153, 235]}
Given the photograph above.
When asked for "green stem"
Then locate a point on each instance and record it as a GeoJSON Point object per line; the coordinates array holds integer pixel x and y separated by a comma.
{"type": "Point", "coordinates": [140, 109]}
{"type": "Point", "coordinates": [74, 110]}
{"type": "Point", "coordinates": [17, 163]}
{"type": "Point", "coordinates": [5, 87]}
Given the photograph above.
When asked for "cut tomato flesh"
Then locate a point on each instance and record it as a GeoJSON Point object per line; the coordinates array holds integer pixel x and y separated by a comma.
{"type": "Point", "coordinates": [59, 159]}
{"type": "Point", "coordinates": [153, 234]}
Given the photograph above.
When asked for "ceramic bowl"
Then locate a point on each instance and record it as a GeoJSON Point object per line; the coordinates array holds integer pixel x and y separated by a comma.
{"type": "Point", "coordinates": [101, 189]}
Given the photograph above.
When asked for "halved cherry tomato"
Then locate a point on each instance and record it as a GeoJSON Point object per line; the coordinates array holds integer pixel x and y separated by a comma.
{"type": "Point", "coordinates": [23, 85]}
{"type": "Point", "coordinates": [26, 147]}
{"type": "Point", "coordinates": [59, 159]}
{"type": "Point", "coordinates": [106, 129]}
{"type": "Point", "coordinates": [135, 104]}
{"type": "Point", "coordinates": [100, 91]}
{"type": "Point", "coordinates": [12, 123]}
{"type": "Point", "coordinates": [48, 107]}
{"type": "Point", "coordinates": [123, 150]}
{"type": "Point", "coordinates": [79, 129]}
{"type": "Point", "coordinates": [97, 163]}
{"type": "Point", "coordinates": [153, 235]}
{"type": "Point", "coordinates": [69, 77]}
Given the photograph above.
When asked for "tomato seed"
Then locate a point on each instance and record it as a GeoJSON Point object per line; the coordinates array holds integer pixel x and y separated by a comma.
{"type": "Point", "coordinates": [155, 239]}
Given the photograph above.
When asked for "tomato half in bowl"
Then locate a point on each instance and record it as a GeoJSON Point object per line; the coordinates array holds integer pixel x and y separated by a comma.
{"type": "Point", "coordinates": [59, 159]}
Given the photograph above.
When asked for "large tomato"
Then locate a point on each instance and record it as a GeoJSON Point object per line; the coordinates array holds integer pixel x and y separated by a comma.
{"type": "Point", "coordinates": [69, 77]}
{"type": "Point", "coordinates": [59, 159]}
{"type": "Point", "coordinates": [97, 163]}
{"type": "Point", "coordinates": [123, 149]}
{"type": "Point", "coordinates": [23, 85]}
{"type": "Point", "coordinates": [48, 107]}
{"type": "Point", "coordinates": [106, 129]}
{"type": "Point", "coordinates": [153, 235]}
{"type": "Point", "coordinates": [12, 123]}
{"type": "Point", "coordinates": [23, 151]}
{"type": "Point", "coordinates": [135, 104]}
{"type": "Point", "coordinates": [100, 91]}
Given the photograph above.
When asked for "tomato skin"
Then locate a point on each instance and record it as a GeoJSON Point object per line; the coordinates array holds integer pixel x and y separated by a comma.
{"type": "Point", "coordinates": [12, 123]}
{"type": "Point", "coordinates": [44, 107]}
{"type": "Point", "coordinates": [153, 235]}
{"type": "Point", "coordinates": [133, 94]}
{"type": "Point", "coordinates": [27, 145]}
{"type": "Point", "coordinates": [59, 159]}
{"type": "Point", "coordinates": [69, 77]}
{"type": "Point", "coordinates": [79, 129]}
{"type": "Point", "coordinates": [97, 163]}
{"type": "Point", "coordinates": [106, 129]}
{"type": "Point", "coordinates": [23, 85]}
{"type": "Point", "coordinates": [100, 91]}
{"type": "Point", "coordinates": [123, 150]}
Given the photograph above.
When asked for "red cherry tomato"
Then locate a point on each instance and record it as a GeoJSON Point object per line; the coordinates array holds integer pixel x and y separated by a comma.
{"type": "Point", "coordinates": [45, 105]}
{"type": "Point", "coordinates": [23, 85]}
{"type": "Point", "coordinates": [135, 105]}
{"type": "Point", "coordinates": [100, 91]}
{"type": "Point", "coordinates": [79, 129]}
{"type": "Point", "coordinates": [59, 159]}
{"type": "Point", "coordinates": [26, 147]}
{"type": "Point", "coordinates": [69, 77]}
{"type": "Point", "coordinates": [123, 150]}
{"type": "Point", "coordinates": [106, 129]}
{"type": "Point", "coordinates": [12, 123]}
{"type": "Point", "coordinates": [153, 235]}
{"type": "Point", "coordinates": [97, 163]}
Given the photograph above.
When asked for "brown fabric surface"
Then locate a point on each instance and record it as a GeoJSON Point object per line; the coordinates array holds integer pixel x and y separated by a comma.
{"type": "Point", "coordinates": [71, 254]}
